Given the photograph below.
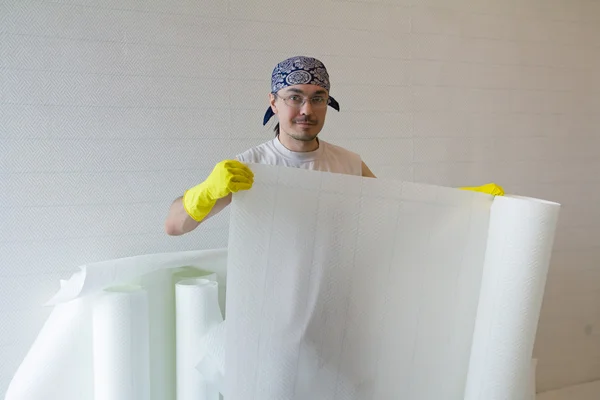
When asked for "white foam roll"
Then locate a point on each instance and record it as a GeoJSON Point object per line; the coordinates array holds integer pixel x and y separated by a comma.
{"type": "Point", "coordinates": [197, 311]}
{"type": "Point", "coordinates": [521, 236]}
{"type": "Point", "coordinates": [212, 360]}
{"type": "Point", "coordinates": [160, 286]}
{"type": "Point", "coordinates": [121, 344]}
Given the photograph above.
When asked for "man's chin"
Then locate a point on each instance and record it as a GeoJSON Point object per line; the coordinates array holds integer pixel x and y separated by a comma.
{"type": "Point", "coordinates": [305, 133]}
{"type": "Point", "coordinates": [304, 136]}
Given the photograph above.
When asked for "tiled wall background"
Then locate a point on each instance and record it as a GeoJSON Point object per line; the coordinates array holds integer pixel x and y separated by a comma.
{"type": "Point", "coordinates": [109, 109]}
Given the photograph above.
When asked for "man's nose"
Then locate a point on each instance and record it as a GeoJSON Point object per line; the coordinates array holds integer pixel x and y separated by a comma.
{"type": "Point", "coordinates": [306, 108]}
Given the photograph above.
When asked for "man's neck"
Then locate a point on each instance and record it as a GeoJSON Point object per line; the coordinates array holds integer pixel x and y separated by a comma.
{"type": "Point", "coordinates": [298, 146]}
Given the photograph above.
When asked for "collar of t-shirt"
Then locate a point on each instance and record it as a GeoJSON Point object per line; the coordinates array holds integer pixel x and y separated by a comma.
{"type": "Point", "coordinates": [298, 156]}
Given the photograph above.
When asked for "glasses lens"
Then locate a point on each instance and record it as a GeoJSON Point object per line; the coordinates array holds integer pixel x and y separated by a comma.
{"type": "Point", "coordinates": [318, 101]}
{"type": "Point", "coordinates": [298, 101]}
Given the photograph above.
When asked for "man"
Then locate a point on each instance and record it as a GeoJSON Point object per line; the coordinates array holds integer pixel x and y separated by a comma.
{"type": "Point", "coordinates": [299, 97]}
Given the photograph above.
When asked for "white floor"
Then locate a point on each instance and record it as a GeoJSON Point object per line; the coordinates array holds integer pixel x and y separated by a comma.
{"type": "Point", "coordinates": [586, 391]}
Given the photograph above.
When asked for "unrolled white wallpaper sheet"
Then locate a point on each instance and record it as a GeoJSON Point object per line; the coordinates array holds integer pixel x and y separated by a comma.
{"type": "Point", "coordinates": [355, 288]}
{"type": "Point", "coordinates": [332, 287]}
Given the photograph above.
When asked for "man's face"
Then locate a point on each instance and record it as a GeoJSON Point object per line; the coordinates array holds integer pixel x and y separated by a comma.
{"type": "Point", "coordinates": [301, 121]}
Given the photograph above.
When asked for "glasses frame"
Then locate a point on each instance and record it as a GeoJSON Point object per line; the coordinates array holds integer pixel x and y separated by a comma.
{"type": "Point", "coordinates": [304, 100]}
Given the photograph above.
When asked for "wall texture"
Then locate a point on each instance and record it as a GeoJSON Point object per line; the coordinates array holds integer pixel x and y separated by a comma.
{"type": "Point", "coordinates": [109, 109]}
{"type": "Point", "coordinates": [583, 391]}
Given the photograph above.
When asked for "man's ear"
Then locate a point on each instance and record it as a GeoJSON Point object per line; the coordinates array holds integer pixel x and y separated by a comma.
{"type": "Point", "coordinates": [272, 100]}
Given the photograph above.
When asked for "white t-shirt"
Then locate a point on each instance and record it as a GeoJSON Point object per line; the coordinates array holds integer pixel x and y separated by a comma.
{"type": "Point", "coordinates": [328, 157]}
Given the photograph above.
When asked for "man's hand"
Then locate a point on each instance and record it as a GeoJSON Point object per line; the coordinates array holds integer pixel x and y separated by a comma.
{"type": "Point", "coordinates": [227, 177]}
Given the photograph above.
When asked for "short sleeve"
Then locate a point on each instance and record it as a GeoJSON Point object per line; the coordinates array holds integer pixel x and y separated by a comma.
{"type": "Point", "coordinates": [241, 158]}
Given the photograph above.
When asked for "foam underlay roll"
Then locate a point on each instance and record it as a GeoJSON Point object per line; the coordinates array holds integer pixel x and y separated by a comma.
{"type": "Point", "coordinates": [517, 258]}
{"type": "Point", "coordinates": [197, 312]}
{"type": "Point", "coordinates": [160, 286]}
{"type": "Point", "coordinates": [121, 344]}
{"type": "Point", "coordinates": [60, 362]}
{"type": "Point", "coordinates": [161, 334]}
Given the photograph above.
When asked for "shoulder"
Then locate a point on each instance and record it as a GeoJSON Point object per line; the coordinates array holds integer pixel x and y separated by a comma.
{"type": "Point", "coordinates": [339, 151]}
{"type": "Point", "coordinates": [351, 158]}
{"type": "Point", "coordinates": [341, 159]}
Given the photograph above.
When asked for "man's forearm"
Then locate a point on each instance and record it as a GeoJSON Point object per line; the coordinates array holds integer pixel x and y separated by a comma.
{"type": "Point", "coordinates": [179, 222]}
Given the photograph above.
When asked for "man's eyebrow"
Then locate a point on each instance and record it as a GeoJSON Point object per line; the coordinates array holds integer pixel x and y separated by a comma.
{"type": "Point", "coordinates": [294, 90]}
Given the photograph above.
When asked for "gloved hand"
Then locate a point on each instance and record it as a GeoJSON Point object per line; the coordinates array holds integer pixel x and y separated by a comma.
{"type": "Point", "coordinates": [227, 176]}
{"type": "Point", "coordinates": [490, 188]}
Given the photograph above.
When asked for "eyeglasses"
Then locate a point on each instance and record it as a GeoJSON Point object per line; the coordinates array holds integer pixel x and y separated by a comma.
{"type": "Point", "coordinates": [297, 101]}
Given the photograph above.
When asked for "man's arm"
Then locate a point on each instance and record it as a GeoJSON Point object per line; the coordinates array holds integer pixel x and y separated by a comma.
{"type": "Point", "coordinates": [208, 198]}
{"type": "Point", "coordinates": [366, 172]}
{"type": "Point", "coordinates": [179, 222]}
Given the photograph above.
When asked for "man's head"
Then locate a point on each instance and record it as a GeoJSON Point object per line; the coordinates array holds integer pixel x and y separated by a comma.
{"type": "Point", "coordinates": [300, 96]}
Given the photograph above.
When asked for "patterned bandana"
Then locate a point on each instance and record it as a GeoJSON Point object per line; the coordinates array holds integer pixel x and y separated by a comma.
{"type": "Point", "coordinates": [299, 70]}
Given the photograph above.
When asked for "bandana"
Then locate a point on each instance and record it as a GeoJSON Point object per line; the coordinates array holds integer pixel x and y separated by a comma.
{"type": "Point", "coordinates": [299, 70]}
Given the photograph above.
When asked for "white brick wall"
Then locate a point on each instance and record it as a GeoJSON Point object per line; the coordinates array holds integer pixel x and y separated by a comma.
{"type": "Point", "coordinates": [109, 109]}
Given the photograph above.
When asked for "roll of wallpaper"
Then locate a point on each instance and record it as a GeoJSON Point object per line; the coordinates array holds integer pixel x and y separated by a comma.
{"type": "Point", "coordinates": [197, 312]}
{"type": "Point", "coordinates": [160, 285]}
{"type": "Point", "coordinates": [121, 347]}
{"type": "Point", "coordinates": [519, 245]}
{"type": "Point", "coordinates": [212, 357]}
{"type": "Point", "coordinates": [59, 364]}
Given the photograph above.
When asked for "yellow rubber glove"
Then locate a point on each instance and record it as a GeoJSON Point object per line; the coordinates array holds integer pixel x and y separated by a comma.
{"type": "Point", "coordinates": [228, 176]}
{"type": "Point", "coordinates": [490, 188]}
